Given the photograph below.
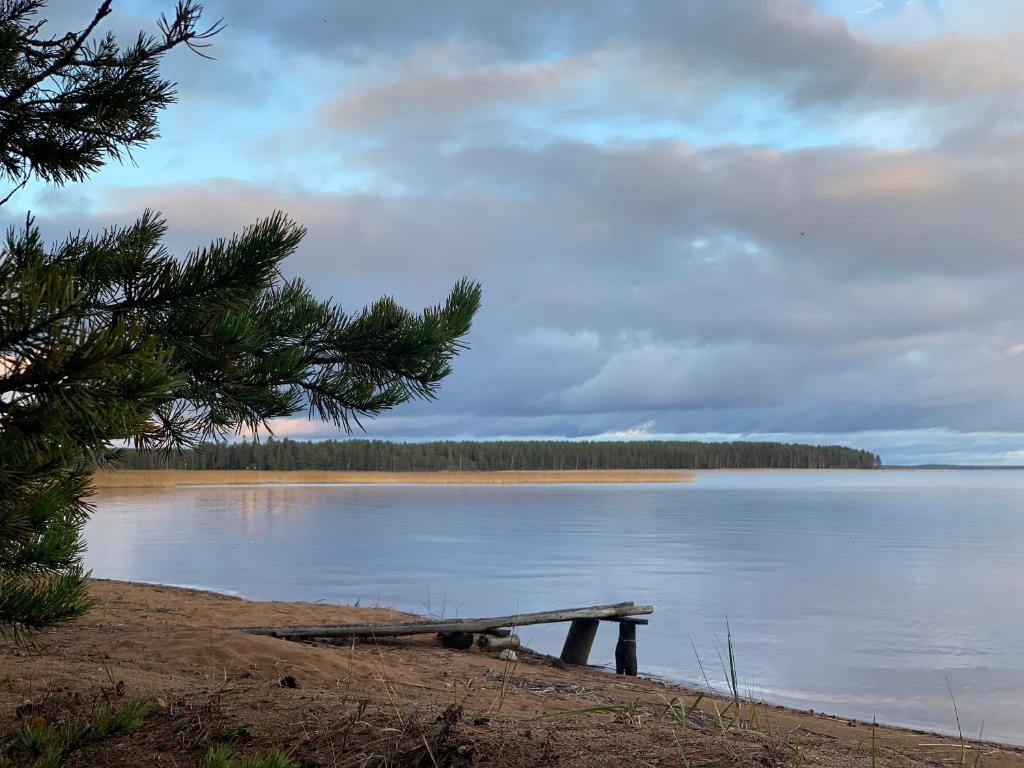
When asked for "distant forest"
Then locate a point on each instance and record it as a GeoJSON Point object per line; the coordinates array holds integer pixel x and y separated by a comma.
{"type": "Point", "coordinates": [380, 455]}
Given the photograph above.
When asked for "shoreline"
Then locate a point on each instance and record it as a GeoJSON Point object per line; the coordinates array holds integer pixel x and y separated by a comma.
{"type": "Point", "coordinates": [169, 478]}
{"type": "Point", "coordinates": [693, 687]}
{"type": "Point", "coordinates": [172, 644]}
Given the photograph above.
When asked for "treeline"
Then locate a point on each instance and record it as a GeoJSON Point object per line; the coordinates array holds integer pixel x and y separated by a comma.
{"type": "Point", "coordinates": [380, 455]}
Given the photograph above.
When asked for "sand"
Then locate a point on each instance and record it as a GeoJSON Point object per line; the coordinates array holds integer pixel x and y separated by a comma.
{"type": "Point", "coordinates": [164, 478]}
{"type": "Point", "coordinates": [378, 703]}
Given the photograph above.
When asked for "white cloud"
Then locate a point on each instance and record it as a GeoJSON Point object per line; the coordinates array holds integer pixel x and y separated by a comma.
{"type": "Point", "coordinates": [645, 429]}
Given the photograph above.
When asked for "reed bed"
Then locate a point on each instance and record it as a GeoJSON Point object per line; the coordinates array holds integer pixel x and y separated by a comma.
{"type": "Point", "coordinates": [169, 478]}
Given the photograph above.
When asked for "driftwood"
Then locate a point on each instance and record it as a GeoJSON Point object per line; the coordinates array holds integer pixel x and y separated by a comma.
{"type": "Point", "coordinates": [492, 643]}
{"type": "Point", "coordinates": [442, 626]}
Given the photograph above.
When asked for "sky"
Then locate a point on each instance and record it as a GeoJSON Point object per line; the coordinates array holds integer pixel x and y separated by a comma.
{"type": "Point", "coordinates": [713, 219]}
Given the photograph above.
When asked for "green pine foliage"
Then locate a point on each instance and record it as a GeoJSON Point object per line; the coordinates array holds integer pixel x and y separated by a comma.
{"type": "Point", "coordinates": [107, 338]}
{"type": "Point", "coordinates": [499, 455]}
{"type": "Point", "coordinates": [71, 102]}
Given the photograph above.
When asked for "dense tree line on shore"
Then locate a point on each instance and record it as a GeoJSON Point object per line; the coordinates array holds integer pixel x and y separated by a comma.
{"type": "Point", "coordinates": [380, 455]}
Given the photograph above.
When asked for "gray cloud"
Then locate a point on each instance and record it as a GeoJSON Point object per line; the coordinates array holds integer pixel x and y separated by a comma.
{"type": "Point", "coordinates": [759, 39]}
{"type": "Point", "coordinates": [684, 327]}
{"type": "Point", "coordinates": [636, 282]}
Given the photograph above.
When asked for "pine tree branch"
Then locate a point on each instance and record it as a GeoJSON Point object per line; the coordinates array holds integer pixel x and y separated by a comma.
{"type": "Point", "coordinates": [59, 63]}
{"type": "Point", "coordinates": [16, 189]}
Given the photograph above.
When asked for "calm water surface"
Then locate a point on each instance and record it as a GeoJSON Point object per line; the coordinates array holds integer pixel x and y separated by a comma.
{"type": "Point", "coordinates": [857, 593]}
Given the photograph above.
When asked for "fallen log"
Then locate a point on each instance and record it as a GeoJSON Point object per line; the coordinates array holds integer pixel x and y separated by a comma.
{"type": "Point", "coordinates": [395, 629]}
{"type": "Point", "coordinates": [492, 643]}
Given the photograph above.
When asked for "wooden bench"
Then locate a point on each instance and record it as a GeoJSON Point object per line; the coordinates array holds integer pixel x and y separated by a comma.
{"type": "Point", "coordinates": [576, 650]}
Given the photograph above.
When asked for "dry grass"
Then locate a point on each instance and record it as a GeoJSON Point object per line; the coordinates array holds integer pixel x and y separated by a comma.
{"type": "Point", "coordinates": [167, 478]}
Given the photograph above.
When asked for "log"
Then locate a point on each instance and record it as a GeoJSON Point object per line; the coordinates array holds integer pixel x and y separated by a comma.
{"type": "Point", "coordinates": [492, 643]}
{"type": "Point", "coordinates": [625, 650]}
{"type": "Point", "coordinates": [579, 641]}
{"type": "Point", "coordinates": [395, 629]}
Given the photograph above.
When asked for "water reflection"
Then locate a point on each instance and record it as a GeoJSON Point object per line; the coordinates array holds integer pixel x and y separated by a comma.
{"type": "Point", "coordinates": [850, 592]}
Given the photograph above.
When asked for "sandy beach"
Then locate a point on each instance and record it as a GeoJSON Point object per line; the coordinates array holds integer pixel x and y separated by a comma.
{"type": "Point", "coordinates": [165, 478]}
{"type": "Point", "coordinates": [375, 703]}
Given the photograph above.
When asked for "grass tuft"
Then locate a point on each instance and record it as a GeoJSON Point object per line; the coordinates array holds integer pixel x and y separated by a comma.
{"type": "Point", "coordinates": [733, 681]}
{"type": "Point", "coordinates": [677, 709]}
{"type": "Point", "coordinates": [224, 757]}
{"type": "Point", "coordinates": [42, 744]}
{"type": "Point", "coordinates": [959, 730]}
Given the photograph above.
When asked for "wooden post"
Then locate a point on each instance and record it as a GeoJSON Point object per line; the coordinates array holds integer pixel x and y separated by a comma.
{"type": "Point", "coordinates": [579, 641]}
{"type": "Point", "coordinates": [625, 649]}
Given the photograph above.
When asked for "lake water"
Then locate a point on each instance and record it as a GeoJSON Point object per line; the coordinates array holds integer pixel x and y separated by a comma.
{"type": "Point", "coordinates": [855, 593]}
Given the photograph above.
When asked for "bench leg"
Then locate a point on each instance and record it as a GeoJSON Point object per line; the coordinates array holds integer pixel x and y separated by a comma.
{"type": "Point", "coordinates": [625, 649]}
{"type": "Point", "coordinates": [579, 641]}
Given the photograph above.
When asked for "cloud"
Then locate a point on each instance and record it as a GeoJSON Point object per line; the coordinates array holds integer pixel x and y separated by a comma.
{"type": "Point", "coordinates": [742, 38]}
{"type": "Point", "coordinates": [900, 179]}
{"type": "Point", "coordinates": [643, 430]}
{"type": "Point", "coordinates": [651, 279]}
{"type": "Point", "coordinates": [431, 90]}
{"type": "Point", "coordinates": [658, 376]}
{"type": "Point", "coordinates": [746, 217]}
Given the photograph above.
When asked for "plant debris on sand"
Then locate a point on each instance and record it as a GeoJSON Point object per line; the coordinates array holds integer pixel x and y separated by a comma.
{"type": "Point", "coordinates": [153, 676]}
